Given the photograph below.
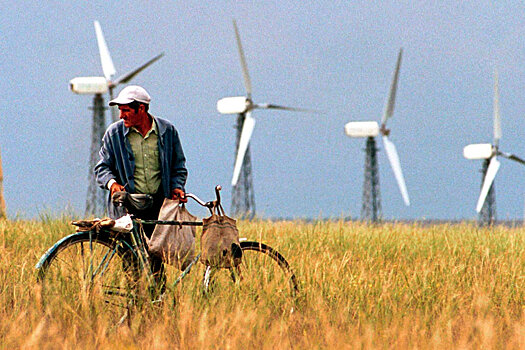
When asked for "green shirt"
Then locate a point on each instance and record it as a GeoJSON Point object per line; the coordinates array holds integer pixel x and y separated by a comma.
{"type": "Point", "coordinates": [147, 174]}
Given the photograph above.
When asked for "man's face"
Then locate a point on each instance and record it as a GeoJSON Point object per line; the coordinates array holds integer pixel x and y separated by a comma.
{"type": "Point", "coordinates": [129, 116]}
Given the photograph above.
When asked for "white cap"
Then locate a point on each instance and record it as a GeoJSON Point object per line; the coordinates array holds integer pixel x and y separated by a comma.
{"type": "Point", "coordinates": [129, 94]}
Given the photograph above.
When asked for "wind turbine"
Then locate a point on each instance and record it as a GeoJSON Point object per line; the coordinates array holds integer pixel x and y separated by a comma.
{"type": "Point", "coordinates": [243, 202]}
{"type": "Point", "coordinates": [371, 202]}
{"type": "Point", "coordinates": [486, 206]}
{"type": "Point", "coordinates": [97, 86]}
{"type": "Point", "coordinates": [2, 201]}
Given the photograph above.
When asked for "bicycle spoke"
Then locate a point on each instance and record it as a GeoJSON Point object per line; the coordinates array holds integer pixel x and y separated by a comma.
{"type": "Point", "coordinates": [64, 261]}
{"type": "Point", "coordinates": [104, 261]}
{"type": "Point", "coordinates": [90, 273]}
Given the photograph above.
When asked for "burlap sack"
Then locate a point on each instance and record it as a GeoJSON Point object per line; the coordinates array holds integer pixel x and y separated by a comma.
{"type": "Point", "coordinates": [220, 241]}
{"type": "Point", "coordinates": [173, 243]}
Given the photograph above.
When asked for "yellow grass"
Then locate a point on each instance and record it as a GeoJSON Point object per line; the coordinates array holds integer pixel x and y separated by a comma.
{"type": "Point", "coordinates": [387, 286]}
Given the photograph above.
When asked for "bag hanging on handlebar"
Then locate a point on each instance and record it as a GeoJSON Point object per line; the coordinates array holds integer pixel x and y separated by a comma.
{"type": "Point", "coordinates": [220, 240]}
{"type": "Point", "coordinates": [173, 243]}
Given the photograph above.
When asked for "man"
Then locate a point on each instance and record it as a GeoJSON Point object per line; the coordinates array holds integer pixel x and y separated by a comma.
{"type": "Point", "coordinates": [141, 154]}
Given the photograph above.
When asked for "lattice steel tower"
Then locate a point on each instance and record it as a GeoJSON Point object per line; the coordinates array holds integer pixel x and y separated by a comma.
{"type": "Point", "coordinates": [487, 215]}
{"type": "Point", "coordinates": [371, 206]}
{"type": "Point", "coordinates": [95, 196]}
{"type": "Point", "coordinates": [243, 199]}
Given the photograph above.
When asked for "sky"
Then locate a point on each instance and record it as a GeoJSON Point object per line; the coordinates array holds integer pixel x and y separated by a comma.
{"type": "Point", "coordinates": [334, 56]}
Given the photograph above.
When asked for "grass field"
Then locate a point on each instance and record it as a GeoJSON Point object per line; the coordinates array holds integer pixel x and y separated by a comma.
{"type": "Point", "coordinates": [385, 286]}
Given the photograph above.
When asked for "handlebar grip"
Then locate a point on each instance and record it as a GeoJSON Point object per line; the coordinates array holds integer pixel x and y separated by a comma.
{"type": "Point", "coordinates": [119, 197]}
{"type": "Point", "coordinates": [132, 201]}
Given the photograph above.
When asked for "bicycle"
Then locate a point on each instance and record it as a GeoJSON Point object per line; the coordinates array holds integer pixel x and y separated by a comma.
{"type": "Point", "coordinates": [104, 267]}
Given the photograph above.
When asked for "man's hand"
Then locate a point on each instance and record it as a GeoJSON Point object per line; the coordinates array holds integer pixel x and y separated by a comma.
{"type": "Point", "coordinates": [179, 194]}
{"type": "Point", "coordinates": [115, 187]}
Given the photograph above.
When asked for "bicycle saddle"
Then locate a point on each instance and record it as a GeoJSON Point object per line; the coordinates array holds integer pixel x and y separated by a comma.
{"type": "Point", "coordinates": [133, 201]}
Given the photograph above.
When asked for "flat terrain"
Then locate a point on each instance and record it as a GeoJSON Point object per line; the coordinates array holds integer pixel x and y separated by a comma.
{"type": "Point", "coordinates": [384, 286]}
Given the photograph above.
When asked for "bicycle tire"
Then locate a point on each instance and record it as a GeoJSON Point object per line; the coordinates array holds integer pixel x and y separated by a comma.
{"type": "Point", "coordinates": [90, 271]}
{"type": "Point", "coordinates": [260, 277]}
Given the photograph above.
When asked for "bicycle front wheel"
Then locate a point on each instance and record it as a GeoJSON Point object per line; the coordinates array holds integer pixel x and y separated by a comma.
{"type": "Point", "coordinates": [90, 272]}
{"type": "Point", "coordinates": [263, 272]}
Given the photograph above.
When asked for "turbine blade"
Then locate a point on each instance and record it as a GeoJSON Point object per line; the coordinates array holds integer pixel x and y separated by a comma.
{"type": "Point", "coordinates": [246, 76]}
{"type": "Point", "coordinates": [393, 158]}
{"type": "Point", "coordinates": [107, 64]}
{"type": "Point", "coordinates": [389, 107]}
{"type": "Point", "coordinates": [284, 108]}
{"type": "Point", "coordinates": [244, 141]}
{"type": "Point", "coordinates": [512, 157]}
{"type": "Point", "coordinates": [497, 119]}
{"type": "Point", "coordinates": [492, 170]}
{"type": "Point", "coordinates": [128, 76]}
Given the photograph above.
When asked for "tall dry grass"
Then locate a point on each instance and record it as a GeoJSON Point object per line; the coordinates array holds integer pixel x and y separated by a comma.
{"type": "Point", "coordinates": [385, 286]}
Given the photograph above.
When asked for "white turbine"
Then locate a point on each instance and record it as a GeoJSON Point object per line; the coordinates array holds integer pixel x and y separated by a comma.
{"type": "Point", "coordinates": [244, 105]}
{"type": "Point", "coordinates": [371, 129]}
{"type": "Point", "coordinates": [490, 152]}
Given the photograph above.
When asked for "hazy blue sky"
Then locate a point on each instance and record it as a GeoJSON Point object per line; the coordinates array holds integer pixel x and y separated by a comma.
{"type": "Point", "coordinates": [336, 56]}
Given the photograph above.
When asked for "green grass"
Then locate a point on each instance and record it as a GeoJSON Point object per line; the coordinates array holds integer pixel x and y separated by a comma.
{"type": "Point", "coordinates": [381, 286]}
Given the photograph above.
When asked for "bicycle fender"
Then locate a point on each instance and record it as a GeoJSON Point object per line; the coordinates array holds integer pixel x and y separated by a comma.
{"type": "Point", "coordinates": [53, 248]}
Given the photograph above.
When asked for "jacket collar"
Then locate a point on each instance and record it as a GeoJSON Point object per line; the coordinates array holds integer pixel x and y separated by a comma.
{"type": "Point", "coordinates": [161, 126]}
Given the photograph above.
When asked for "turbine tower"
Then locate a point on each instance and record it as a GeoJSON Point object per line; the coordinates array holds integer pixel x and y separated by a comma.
{"type": "Point", "coordinates": [486, 206]}
{"type": "Point", "coordinates": [95, 204]}
{"type": "Point", "coordinates": [371, 200]}
{"type": "Point", "coordinates": [243, 201]}
{"type": "Point", "coordinates": [3, 213]}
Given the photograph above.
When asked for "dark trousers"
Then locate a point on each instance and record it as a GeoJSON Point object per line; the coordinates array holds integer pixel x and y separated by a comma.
{"type": "Point", "coordinates": [152, 213]}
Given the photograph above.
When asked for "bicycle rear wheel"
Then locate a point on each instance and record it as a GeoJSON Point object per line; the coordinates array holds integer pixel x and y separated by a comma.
{"type": "Point", "coordinates": [263, 270]}
{"type": "Point", "coordinates": [90, 272]}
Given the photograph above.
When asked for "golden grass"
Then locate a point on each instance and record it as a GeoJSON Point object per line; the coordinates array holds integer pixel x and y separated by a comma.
{"type": "Point", "coordinates": [386, 286]}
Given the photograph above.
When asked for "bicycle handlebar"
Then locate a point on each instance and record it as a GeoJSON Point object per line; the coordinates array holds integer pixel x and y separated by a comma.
{"type": "Point", "coordinates": [142, 201]}
{"type": "Point", "coordinates": [211, 204]}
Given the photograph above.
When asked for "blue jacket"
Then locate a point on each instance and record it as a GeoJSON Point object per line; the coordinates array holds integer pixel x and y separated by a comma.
{"type": "Point", "coordinates": [117, 160]}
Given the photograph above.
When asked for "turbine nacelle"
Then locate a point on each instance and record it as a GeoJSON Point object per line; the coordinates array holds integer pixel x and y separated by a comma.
{"type": "Point", "coordinates": [88, 85]}
{"type": "Point", "coordinates": [478, 151]}
{"type": "Point", "coordinates": [362, 129]}
{"type": "Point", "coordinates": [234, 105]}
